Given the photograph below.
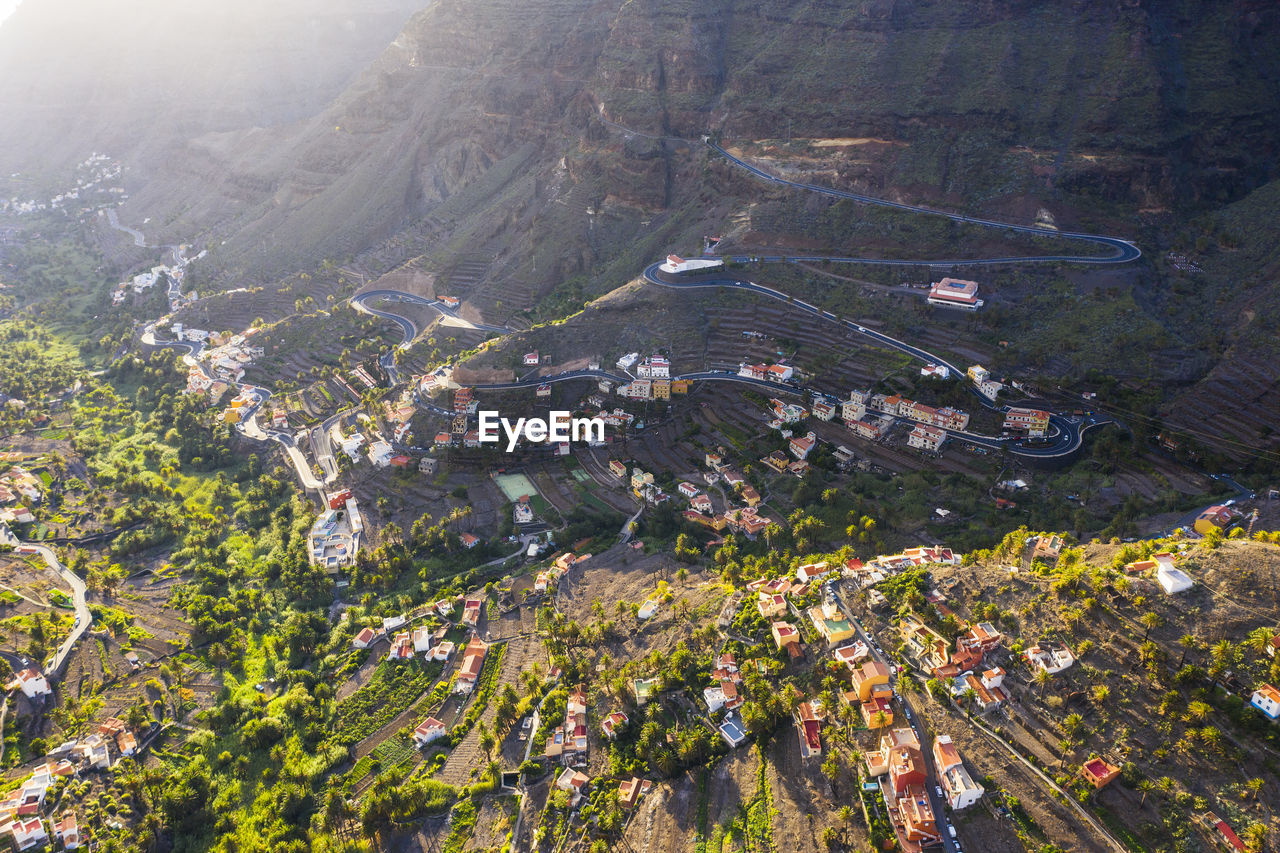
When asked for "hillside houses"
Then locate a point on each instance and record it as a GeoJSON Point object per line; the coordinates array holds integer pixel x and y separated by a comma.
{"type": "Point", "coordinates": [1051, 659]}
{"type": "Point", "coordinates": [958, 787]}
{"type": "Point", "coordinates": [568, 741]}
{"type": "Point", "coordinates": [830, 621]}
{"type": "Point", "coordinates": [472, 663]}
{"type": "Point", "coordinates": [901, 764]}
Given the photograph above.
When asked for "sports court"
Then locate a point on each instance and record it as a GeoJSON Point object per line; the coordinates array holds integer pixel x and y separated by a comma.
{"type": "Point", "coordinates": [515, 486]}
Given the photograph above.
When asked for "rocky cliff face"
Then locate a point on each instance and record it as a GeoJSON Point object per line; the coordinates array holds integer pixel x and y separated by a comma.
{"type": "Point", "coordinates": [485, 123]}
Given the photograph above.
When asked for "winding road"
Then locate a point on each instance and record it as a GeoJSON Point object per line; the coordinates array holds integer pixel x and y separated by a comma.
{"type": "Point", "coordinates": [1122, 251]}
{"type": "Point", "coordinates": [1066, 433]}
{"type": "Point", "coordinates": [84, 618]}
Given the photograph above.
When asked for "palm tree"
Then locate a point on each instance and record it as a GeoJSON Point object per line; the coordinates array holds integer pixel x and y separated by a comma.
{"type": "Point", "coordinates": [1042, 678]}
{"type": "Point", "coordinates": [1198, 711]}
{"type": "Point", "coordinates": [1189, 643]}
{"type": "Point", "coordinates": [1145, 786]}
{"type": "Point", "coordinates": [846, 813]}
{"type": "Point", "coordinates": [1101, 693]}
{"type": "Point", "coordinates": [1223, 652]}
{"type": "Point", "coordinates": [1211, 737]}
{"type": "Point", "coordinates": [1255, 836]}
{"type": "Point", "coordinates": [1150, 620]}
{"type": "Point", "coordinates": [880, 719]}
{"type": "Point", "coordinates": [1259, 639]}
{"type": "Point", "coordinates": [1253, 786]}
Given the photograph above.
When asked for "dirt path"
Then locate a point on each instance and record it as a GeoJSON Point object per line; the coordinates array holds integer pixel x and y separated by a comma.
{"type": "Point", "coordinates": [467, 757]}
{"type": "Point", "coordinates": [361, 676]}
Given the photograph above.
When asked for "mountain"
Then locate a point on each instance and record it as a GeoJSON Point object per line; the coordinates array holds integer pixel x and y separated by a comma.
{"type": "Point", "coordinates": [132, 78]}
{"type": "Point", "coordinates": [483, 115]}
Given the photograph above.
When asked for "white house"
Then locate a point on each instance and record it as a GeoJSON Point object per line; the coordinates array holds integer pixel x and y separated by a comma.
{"type": "Point", "coordinates": [422, 639]}
{"type": "Point", "coordinates": [676, 264]}
{"type": "Point", "coordinates": [427, 731]}
{"type": "Point", "coordinates": [647, 610]}
{"type": "Point", "coordinates": [1173, 581]}
{"type": "Point", "coordinates": [960, 789]}
{"type": "Point", "coordinates": [32, 683]}
{"type": "Point", "coordinates": [926, 438]}
{"type": "Point", "coordinates": [365, 638]}
{"type": "Point", "coordinates": [380, 453]}
{"type": "Point", "coordinates": [812, 571]}
{"type": "Point", "coordinates": [1051, 661]}
{"type": "Point", "coordinates": [27, 833]}
{"type": "Point", "coordinates": [935, 371]}
{"type": "Point", "coordinates": [714, 697]}
{"type": "Point", "coordinates": [1267, 700]}
{"type": "Point", "coordinates": [351, 445]}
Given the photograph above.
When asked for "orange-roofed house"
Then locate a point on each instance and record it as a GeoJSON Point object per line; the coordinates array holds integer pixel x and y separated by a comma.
{"type": "Point", "coordinates": [1267, 700]}
{"type": "Point", "coordinates": [428, 730]}
{"type": "Point", "coordinates": [986, 635]}
{"type": "Point", "coordinates": [771, 606]}
{"type": "Point", "coordinates": [877, 761]}
{"type": "Point", "coordinates": [906, 768]}
{"type": "Point", "coordinates": [785, 634]}
{"type": "Point", "coordinates": [877, 712]}
{"type": "Point", "coordinates": [809, 727]}
{"type": "Point", "coordinates": [610, 724]}
{"type": "Point", "coordinates": [918, 822]}
{"type": "Point", "coordinates": [67, 830]}
{"type": "Point", "coordinates": [945, 754]}
{"type": "Point", "coordinates": [866, 678]}
{"type": "Point", "coordinates": [631, 790]}
{"type": "Point", "coordinates": [472, 663]}
{"type": "Point", "coordinates": [1215, 518]}
{"type": "Point", "coordinates": [1099, 773]}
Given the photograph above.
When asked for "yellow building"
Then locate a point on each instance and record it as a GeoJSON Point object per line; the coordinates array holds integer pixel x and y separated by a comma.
{"type": "Point", "coordinates": [661, 389]}
{"type": "Point", "coordinates": [1215, 518]}
{"type": "Point", "coordinates": [680, 386]}
{"type": "Point", "coordinates": [785, 634]}
{"type": "Point", "coordinates": [868, 677]}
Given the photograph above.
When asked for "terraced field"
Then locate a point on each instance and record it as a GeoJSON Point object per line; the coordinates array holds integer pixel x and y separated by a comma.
{"type": "Point", "coordinates": [466, 759]}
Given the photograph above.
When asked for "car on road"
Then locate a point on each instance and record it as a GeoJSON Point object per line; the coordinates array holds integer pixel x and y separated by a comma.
{"type": "Point", "coordinates": [938, 790]}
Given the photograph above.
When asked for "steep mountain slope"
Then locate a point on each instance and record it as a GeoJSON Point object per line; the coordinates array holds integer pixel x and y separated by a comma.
{"type": "Point", "coordinates": [1098, 110]}
{"type": "Point", "coordinates": [130, 78]}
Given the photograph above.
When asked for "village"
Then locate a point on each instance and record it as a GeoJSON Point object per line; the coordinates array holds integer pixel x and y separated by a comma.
{"type": "Point", "coordinates": [871, 632]}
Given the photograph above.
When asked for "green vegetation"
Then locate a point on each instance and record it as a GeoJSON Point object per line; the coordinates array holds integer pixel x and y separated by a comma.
{"type": "Point", "coordinates": [393, 688]}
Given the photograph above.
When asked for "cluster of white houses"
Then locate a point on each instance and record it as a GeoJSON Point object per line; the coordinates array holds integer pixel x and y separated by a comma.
{"type": "Point", "coordinates": [21, 810]}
